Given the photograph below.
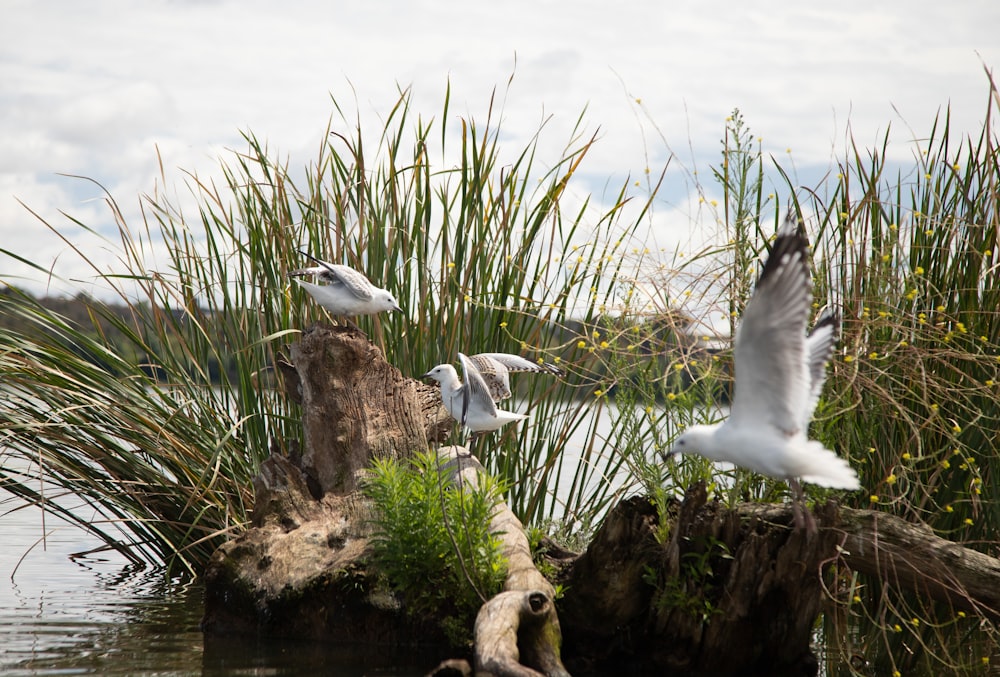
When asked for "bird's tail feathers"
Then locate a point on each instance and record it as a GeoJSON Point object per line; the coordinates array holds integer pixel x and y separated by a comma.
{"type": "Point", "coordinates": [826, 469]}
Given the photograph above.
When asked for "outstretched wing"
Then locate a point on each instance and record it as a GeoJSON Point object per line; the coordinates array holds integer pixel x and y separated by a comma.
{"type": "Point", "coordinates": [475, 393]}
{"type": "Point", "coordinates": [772, 379]}
{"type": "Point", "coordinates": [313, 271]}
{"type": "Point", "coordinates": [495, 369]}
{"type": "Point", "coordinates": [819, 348]}
{"type": "Point", "coordinates": [335, 274]}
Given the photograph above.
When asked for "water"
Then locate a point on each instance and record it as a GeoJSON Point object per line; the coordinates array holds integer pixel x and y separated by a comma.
{"type": "Point", "coordinates": [61, 614]}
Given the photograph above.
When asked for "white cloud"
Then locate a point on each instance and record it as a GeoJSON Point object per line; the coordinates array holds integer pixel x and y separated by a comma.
{"type": "Point", "coordinates": [95, 88]}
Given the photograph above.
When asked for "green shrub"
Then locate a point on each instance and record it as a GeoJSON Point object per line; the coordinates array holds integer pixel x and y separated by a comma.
{"type": "Point", "coordinates": [432, 538]}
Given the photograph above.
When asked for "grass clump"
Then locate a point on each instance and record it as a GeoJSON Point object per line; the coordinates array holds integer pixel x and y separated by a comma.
{"type": "Point", "coordinates": [432, 540]}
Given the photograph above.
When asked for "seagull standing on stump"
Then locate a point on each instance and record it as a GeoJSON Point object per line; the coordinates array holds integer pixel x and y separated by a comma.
{"type": "Point", "coordinates": [346, 292]}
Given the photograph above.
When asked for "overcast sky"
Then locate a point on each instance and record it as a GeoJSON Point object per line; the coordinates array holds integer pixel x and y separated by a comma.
{"type": "Point", "coordinates": [95, 88]}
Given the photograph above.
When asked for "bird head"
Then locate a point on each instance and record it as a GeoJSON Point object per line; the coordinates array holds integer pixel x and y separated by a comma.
{"type": "Point", "coordinates": [386, 301]}
{"type": "Point", "coordinates": [443, 373]}
{"type": "Point", "coordinates": [692, 440]}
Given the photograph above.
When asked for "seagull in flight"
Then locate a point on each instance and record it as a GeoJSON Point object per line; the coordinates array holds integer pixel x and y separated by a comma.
{"type": "Point", "coordinates": [346, 292]}
{"type": "Point", "coordinates": [779, 373]}
{"type": "Point", "coordinates": [472, 400]}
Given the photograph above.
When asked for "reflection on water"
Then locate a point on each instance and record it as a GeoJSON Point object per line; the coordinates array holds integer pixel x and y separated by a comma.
{"type": "Point", "coordinates": [61, 615]}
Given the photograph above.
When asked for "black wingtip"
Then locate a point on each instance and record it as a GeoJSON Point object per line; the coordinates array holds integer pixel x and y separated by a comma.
{"type": "Point", "coordinates": [551, 368]}
{"type": "Point", "coordinates": [828, 317]}
{"type": "Point", "coordinates": [786, 244]}
{"type": "Point", "coordinates": [319, 261]}
{"type": "Point", "coordinates": [793, 223]}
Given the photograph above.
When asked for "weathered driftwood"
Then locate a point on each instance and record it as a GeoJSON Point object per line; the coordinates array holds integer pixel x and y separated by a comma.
{"type": "Point", "coordinates": [907, 555]}
{"type": "Point", "coordinates": [911, 556]}
{"type": "Point", "coordinates": [517, 632]}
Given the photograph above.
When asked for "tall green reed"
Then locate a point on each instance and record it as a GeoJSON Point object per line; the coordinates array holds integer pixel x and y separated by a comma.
{"type": "Point", "coordinates": [125, 413]}
{"type": "Point", "coordinates": [911, 255]}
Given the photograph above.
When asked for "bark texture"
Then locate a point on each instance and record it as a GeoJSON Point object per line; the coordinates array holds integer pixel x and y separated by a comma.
{"type": "Point", "coordinates": [356, 406]}
{"type": "Point", "coordinates": [725, 594]}
{"type": "Point", "coordinates": [911, 556]}
{"type": "Point", "coordinates": [299, 571]}
{"type": "Point", "coordinates": [736, 592]}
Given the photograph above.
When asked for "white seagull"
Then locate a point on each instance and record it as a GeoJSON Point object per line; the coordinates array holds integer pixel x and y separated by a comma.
{"type": "Point", "coordinates": [780, 372]}
{"type": "Point", "coordinates": [471, 403]}
{"type": "Point", "coordinates": [346, 292]}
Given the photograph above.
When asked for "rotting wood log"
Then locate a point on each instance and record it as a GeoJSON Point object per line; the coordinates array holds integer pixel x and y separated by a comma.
{"type": "Point", "coordinates": [907, 555]}
{"type": "Point", "coordinates": [517, 632]}
{"type": "Point", "coordinates": [914, 557]}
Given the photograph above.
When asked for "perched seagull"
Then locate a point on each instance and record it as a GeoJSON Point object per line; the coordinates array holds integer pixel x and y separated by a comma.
{"type": "Point", "coordinates": [346, 292]}
{"type": "Point", "coordinates": [495, 368]}
{"type": "Point", "coordinates": [780, 372]}
{"type": "Point", "coordinates": [470, 403]}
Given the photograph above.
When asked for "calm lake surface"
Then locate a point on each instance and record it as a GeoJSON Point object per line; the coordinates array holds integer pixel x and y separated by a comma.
{"type": "Point", "coordinates": [98, 615]}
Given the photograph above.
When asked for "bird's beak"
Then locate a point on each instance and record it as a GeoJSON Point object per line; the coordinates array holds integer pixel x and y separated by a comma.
{"type": "Point", "coordinates": [427, 375]}
{"type": "Point", "coordinates": [398, 310]}
{"type": "Point", "coordinates": [667, 455]}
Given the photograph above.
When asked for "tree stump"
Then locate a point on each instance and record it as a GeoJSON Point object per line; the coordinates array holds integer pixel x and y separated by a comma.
{"type": "Point", "coordinates": [299, 571]}
{"type": "Point", "coordinates": [725, 595]}
{"type": "Point", "coordinates": [356, 406]}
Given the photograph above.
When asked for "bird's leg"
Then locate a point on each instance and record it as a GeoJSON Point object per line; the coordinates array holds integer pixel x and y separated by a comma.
{"type": "Point", "coordinates": [474, 442]}
{"type": "Point", "coordinates": [350, 323]}
{"type": "Point", "coordinates": [800, 511]}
